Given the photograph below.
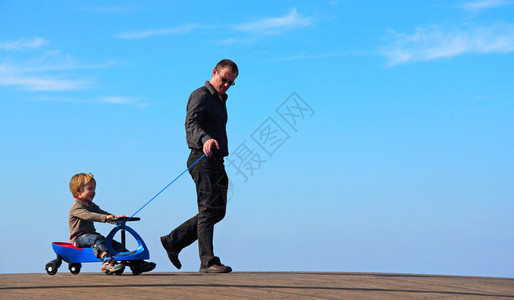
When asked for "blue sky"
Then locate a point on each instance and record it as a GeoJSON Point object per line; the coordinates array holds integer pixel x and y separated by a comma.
{"type": "Point", "coordinates": [365, 136]}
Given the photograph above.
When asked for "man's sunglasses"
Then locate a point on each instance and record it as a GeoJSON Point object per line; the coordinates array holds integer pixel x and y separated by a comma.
{"type": "Point", "coordinates": [231, 83]}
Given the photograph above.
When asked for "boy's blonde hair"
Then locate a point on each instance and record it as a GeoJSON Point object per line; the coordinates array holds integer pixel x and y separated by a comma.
{"type": "Point", "coordinates": [78, 181]}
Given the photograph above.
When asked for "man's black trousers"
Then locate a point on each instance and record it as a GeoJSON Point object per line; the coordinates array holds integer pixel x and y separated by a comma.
{"type": "Point", "coordinates": [211, 189]}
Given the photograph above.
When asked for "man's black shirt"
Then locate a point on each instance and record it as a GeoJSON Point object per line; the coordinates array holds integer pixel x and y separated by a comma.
{"type": "Point", "coordinates": [206, 118]}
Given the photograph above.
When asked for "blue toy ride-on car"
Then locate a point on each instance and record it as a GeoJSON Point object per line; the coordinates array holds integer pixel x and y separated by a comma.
{"type": "Point", "coordinates": [75, 256]}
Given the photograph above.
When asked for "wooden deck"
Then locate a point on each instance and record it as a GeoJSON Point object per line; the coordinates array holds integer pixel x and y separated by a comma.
{"type": "Point", "coordinates": [253, 285]}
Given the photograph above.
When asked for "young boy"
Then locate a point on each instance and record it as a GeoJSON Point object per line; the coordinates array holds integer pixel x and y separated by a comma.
{"type": "Point", "coordinates": [82, 231]}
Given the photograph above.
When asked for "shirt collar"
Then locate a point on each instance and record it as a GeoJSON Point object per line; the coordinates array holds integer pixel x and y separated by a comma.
{"type": "Point", "coordinates": [83, 201]}
{"type": "Point", "coordinates": [213, 91]}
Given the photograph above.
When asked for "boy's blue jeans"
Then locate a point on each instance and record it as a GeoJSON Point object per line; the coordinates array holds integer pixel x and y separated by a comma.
{"type": "Point", "coordinates": [95, 241]}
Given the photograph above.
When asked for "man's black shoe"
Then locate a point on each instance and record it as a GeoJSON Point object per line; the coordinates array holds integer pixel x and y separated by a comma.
{"type": "Point", "coordinates": [216, 269]}
{"type": "Point", "coordinates": [172, 255]}
{"type": "Point", "coordinates": [139, 267]}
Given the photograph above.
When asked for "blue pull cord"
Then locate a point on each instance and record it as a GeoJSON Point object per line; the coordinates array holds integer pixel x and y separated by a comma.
{"type": "Point", "coordinates": [165, 187]}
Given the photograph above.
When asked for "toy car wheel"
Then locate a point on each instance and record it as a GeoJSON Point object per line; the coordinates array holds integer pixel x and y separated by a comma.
{"type": "Point", "coordinates": [51, 268]}
{"type": "Point", "coordinates": [120, 271]}
{"type": "Point", "coordinates": [108, 273]}
{"type": "Point", "coordinates": [74, 268]}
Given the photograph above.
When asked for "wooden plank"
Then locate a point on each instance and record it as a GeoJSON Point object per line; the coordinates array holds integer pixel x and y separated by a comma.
{"type": "Point", "coordinates": [254, 285]}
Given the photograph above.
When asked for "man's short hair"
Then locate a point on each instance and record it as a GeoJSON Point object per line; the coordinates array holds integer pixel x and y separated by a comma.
{"type": "Point", "coordinates": [227, 63]}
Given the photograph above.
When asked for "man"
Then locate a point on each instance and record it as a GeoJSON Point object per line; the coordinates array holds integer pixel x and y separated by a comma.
{"type": "Point", "coordinates": [206, 120]}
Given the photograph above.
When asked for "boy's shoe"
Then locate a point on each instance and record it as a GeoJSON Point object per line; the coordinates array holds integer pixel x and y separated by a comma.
{"type": "Point", "coordinates": [111, 265]}
{"type": "Point", "coordinates": [216, 269]}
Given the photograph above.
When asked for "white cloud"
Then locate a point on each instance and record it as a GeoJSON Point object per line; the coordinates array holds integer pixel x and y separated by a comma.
{"type": "Point", "coordinates": [479, 5]}
{"type": "Point", "coordinates": [44, 69]}
{"type": "Point", "coordinates": [115, 100]}
{"type": "Point", "coordinates": [22, 44]}
{"type": "Point", "coordinates": [304, 56]}
{"type": "Point", "coordinates": [265, 26]}
{"type": "Point", "coordinates": [159, 32]}
{"type": "Point", "coordinates": [29, 77]}
{"type": "Point", "coordinates": [276, 25]}
{"type": "Point", "coordinates": [50, 71]}
{"type": "Point", "coordinates": [110, 9]}
{"type": "Point", "coordinates": [433, 43]}
{"type": "Point", "coordinates": [41, 83]}
{"type": "Point", "coordinates": [118, 100]}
